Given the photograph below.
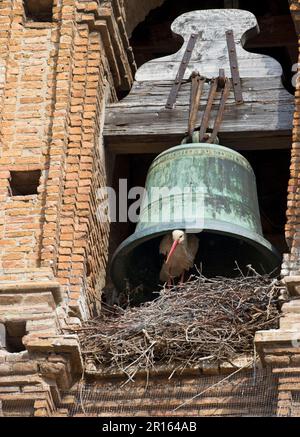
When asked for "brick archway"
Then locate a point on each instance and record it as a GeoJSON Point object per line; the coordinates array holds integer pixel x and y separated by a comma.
{"type": "Point", "coordinates": [137, 10]}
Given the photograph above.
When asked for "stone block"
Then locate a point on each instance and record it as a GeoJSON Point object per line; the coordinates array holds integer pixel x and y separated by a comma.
{"type": "Point", "coordinates": [210, 369]}
{"type": "Point", "coordinates": [5, 369]}
{"type": "Point", "coordinates": [10, 389]}
{"type": "Point", "coordinates": [291, 307]}
{"type": "Point", "coordinates": [295, 360]}
{"type": "Point", "coordinates": [277, 360]}
{"type": "Point", "coordinates": [25, 368]}
{"type": "Point", "coordinates": [41, 412]}
{"type": "Point", "coordinates": [293, 285]}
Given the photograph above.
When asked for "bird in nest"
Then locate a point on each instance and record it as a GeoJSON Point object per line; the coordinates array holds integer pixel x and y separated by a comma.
{"type": "Point", "coordinates": [179, 250]}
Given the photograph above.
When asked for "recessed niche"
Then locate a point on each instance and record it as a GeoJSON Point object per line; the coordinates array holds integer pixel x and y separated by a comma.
{"type": "Point", "coordinates": [15, 331]}
{"type": "Point", "coordinates": [38, 10]}
{"type": "Point", "coordinates": [24, 183]}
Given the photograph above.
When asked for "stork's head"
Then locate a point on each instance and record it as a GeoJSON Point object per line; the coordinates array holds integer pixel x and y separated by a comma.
{"type": "Point", "coordinates": [178, 238]}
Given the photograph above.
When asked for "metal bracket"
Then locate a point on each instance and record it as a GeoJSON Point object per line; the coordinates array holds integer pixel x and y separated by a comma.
{"type": "Point", "coordinates": [197, 85]}
{"type": "Point", "coordinates": [208, 108]}
{"type": "Point", "coordinates": [221, 79]}
{"type": "Point", "coordinates": [218, 121]}
{"type": "Point", "coordinates": [222, 84]}
{"type": "Point", "coordinates": [236, 80]}
{"type": "Point", "coordinates": [183, 65]}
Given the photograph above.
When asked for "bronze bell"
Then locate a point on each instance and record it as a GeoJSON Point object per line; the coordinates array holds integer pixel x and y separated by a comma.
{"type": "Point", "coordinates": [220, 205]}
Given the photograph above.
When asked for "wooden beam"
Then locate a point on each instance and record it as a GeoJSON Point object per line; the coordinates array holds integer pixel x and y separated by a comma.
{"type": "Point", "coordinates": [231, 4]}
{"type": "Point", "coordinates": [156, 144]}
{"type": "Point", "coordinates": [210, 53]}
{"type": "Point", "coordinates": [141, 124]}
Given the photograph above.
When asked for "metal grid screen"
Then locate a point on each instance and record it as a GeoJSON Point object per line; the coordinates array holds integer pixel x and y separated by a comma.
{"type": "Point", "coordinates": [249, 394]}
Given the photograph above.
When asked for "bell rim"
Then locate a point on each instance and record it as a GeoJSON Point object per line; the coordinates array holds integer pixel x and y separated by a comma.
{"type": "Point", "coordinates": [267, 250]}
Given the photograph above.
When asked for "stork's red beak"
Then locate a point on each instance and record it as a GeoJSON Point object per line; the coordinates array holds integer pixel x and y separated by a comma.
{"type": "Point", "coordinates": [174, 245]}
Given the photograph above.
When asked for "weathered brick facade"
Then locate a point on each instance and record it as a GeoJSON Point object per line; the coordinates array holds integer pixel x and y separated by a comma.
{"type": "Point", "coordinates": [55, 80]}
{"type": "Point", "coordinates": [291, 265]}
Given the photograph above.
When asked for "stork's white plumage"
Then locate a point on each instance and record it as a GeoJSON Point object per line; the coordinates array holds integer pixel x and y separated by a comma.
{"type": "Point", "coordinates": [180, 250]}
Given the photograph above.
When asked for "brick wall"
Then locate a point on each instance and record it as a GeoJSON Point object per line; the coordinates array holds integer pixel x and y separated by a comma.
{"type": "Point", "coordinates": [192, 392]}
{"type": "Point", "coordinates": [55, 78]}
{"type": "Point", "coordinates": [291, 264]}
{"type": "Point", "coordinates": [54, 81]}
{"type": "Point", "coordinates": [80, 252]}
{"type": "Point", "coordinates": [280, 352]}
{"type": "Point", "coordinates": [87, 94]}
{"type": "Point", "coordinates": [28, 61]}
{"type": "Point", "coordinates": [52, 95]}
{"type": "Point", "coordinates": [96, 253]}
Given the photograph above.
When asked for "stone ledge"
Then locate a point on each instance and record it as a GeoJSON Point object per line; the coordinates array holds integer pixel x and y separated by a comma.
{"type": "Point", "coordinates": [293, 285]}
{"type": "Point", "coordinates": [20, 380]}
{"type": "Point", "coordinates": [291, 370]}
{"type": "Point", "coordinates": [33, 287]}
{"type": "Point", "coordinates": [276, 339]}
{"type": "Point", "coordinates": [39, 25]}
{"type": "Point", "coordinates": [244, 362]}
{"type": "Point", "coordinates": [291, 308]}
{"type": "Point", "coordinates": [61, 344]}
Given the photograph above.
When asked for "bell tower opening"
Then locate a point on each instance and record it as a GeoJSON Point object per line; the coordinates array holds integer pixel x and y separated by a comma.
{"type": "Point", "coordinates": [24, 183]}
{"type": "Point", "coordinates": [38, 10]}
{"type": "Point", "coordinates": [269, 157]}
{"type": "Point", "coordinates": [271, 168]}
{"type": "Point", "coordinates": [15, 331]}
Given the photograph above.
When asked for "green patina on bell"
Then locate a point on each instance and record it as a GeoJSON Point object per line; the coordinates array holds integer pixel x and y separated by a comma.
{"type": "Point", "coordinates": [213, 194]}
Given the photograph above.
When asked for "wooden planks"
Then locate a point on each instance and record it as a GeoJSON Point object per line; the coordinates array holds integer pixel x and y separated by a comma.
{"type": "Point", "coordinates": [210, 53]}
{"type": "Point", "coordinates": [141, 124]}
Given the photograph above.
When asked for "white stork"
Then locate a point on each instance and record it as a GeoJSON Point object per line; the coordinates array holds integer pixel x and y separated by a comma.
{"type": "Point", "coordinates": [179, 250]}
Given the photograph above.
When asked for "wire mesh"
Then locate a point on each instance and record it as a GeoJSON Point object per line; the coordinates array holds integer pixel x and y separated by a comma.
{"type": "Point", "coordinates": [259, 393]}
{"type": "Point", "coordinates": [247, 394]}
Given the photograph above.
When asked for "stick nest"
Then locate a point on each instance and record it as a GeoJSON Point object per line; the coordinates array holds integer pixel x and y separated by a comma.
{"type": "Point", "coordinates": [203, 319]}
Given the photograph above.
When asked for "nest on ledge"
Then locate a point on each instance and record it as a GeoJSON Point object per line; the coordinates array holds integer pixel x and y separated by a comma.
{"type": "Point", "coordinates": [203, 319]}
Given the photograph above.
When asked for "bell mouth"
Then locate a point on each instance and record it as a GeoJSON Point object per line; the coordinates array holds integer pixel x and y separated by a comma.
{"type": "Point", "coordinates": [224, 250]}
